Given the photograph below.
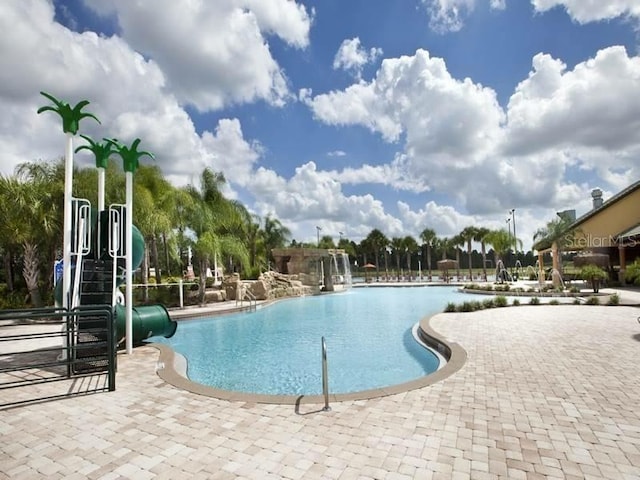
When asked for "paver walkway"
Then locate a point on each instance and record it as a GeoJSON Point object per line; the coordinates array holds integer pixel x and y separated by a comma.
{"type": "Point", "coordinates": [546, 392]}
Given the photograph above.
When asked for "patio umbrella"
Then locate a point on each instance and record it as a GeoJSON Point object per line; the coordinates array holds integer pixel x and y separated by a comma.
{"type": "Point", "coordinates": [445, 265]}
{"type": "Point", "coordinates": [367, 265]}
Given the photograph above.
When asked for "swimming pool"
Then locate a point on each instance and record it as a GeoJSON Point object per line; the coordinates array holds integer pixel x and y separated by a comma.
{"type": "Point", "coordinates": [276, 350]}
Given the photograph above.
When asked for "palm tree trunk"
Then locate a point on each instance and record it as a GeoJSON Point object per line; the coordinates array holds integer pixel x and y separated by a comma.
{"type": "Point", "coordinates": [166, 253]}
{"type": "Point", "coordinates": [470, 267]}
{"type": "Point", "coordinates": [458, 263]}
{"type": "Point", "coordinates": [30, 272]}
{"type": "Point", "coordinates": [429, 260]}
{"type": "Point", "coordinates": [204, 265]}
{"type": "Point", "coordinates": [484, 261]}
{"type": "Point", "coordinates": [156, 263]}
{"type": "Point", "coordinates": [8, 270]}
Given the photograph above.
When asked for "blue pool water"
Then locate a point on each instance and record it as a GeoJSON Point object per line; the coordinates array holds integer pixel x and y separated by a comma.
{"type": "Point", "coordinates": [277, 349]}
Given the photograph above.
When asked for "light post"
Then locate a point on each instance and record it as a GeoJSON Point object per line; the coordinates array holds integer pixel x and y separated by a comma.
{"type": "Point", "coordinates": [318, 235]}
{"type": "Point", "coordinates": [515, 238]}
{"type": "Point", "coordinates": [340, 240]}
{"type": "Point", "coordinates": [507, 253]}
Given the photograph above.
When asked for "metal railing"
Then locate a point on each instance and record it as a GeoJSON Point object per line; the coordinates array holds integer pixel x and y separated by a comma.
{"type": "Point", "coordinates": [243, 294]}
{"type": "Point", "coordinates": [43, 346]}
{"type": "Point", "coordinates": [325, 377]}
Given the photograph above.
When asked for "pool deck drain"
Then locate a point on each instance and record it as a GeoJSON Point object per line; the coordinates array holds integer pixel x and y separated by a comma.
{"type": "Point", "coordinates": [546, 392]}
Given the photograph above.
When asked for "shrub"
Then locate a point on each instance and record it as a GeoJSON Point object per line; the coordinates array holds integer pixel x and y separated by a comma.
{"type": "Point", "coordinates": [500, 301]}
{"type": "Point", "coordinates": [451, 307]}
{"type": "Point", "coordinates": [632, 273]}
{"type": "Point", "coordinates": [576, 301]}
{"type": "Point", "coordinates": [466, 307]}
{"type": "Point", "coordinates": [516, 302]}
{"type": "Point", "coordinates": [574, 289]}
{"type": "Point", "coordinates": [614, 299]}
{"type": "Point", "coordinates": [593, 301]}
{"type": "Point", "coordinates": [594, 275]}
{"type": "Point", "coordinates": [488, 303]}
{"type": "Point", "coordinates": [534, 301]}
{"type": "Point", "coordinates": [554, 302]}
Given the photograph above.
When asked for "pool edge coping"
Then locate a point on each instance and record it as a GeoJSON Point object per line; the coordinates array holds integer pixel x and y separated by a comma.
{"type": "Point", "coordinates": [171, 366]}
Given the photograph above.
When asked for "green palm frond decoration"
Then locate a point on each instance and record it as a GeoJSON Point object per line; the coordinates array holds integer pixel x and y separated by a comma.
{"type": "Point", "coordinates": [130, 155]}
{"type": "Point", "coordinates": [70, 116]}
{"type": "Point", "coordinates": [101, 150]}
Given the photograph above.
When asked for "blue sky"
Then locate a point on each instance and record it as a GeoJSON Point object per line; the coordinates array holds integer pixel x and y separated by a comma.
{"type": "Point", "coordinates": [349, 115]}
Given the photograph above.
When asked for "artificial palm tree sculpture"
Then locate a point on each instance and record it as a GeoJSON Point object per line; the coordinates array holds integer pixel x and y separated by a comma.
{"type": "Point", "coordinates": [101, 151]}
{"type": "Point", "coordinates": [71, 118]}
{"type": "Point", "coordinates": [130, 161]}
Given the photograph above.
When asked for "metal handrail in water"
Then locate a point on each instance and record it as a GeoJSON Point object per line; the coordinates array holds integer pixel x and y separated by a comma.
{"type": "Point", "coordinates": [325, 377]}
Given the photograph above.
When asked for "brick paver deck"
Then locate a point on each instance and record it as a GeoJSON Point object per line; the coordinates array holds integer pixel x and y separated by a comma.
{"type": "Point", "coordinates": [546, 392]}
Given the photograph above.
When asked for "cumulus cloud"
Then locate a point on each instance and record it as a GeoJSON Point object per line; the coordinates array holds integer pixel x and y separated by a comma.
{"type": "Point", "coordinates": [443, 120]}
{"type": "Point", "coordinates": [592, 111]}
{"type": "Point", "coordinates": [214, 53]}
{"type": "Point", "coordinates": [448, 15]}
{"type": "Point", "coordinates": [352, 56]}
{"type": "Point", "coordinates": [588, 11]}
{"type": "Point", "coordinates": [454, 137]}
{"type": "Point", "coordinates": [75, 66]}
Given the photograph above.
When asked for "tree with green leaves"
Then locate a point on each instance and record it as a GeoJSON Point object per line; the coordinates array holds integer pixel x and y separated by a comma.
{"type": "Point", "coordinates": [410, 247]}
{"type": "Point", "coordinates": [458, 241]}
{"type": "Point", "coordinates": [428, 237]}
{"type": "Point", "coordinates": [397, 247]}
{"type": "Point", "coordinates": [468, 235]}
{"type": "Point", "coordinates": [377, 241]}
{"type": "Point", "coordinates": [481, 235]}
{"type": "Point", "coordinates": [555, 235]}
{"type": "Point", "coordinates": [29, 217]}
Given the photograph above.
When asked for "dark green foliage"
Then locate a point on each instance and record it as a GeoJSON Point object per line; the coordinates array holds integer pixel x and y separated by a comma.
{"type": "Point", "coordinates": [554, 302]}
{"type": "Point", "coordinates": [451, 307]}
{"type": "Point", "coordinates": [516, 302]}
{"type": "Point", "coordinates": [534, 301]}
{"type": "Point", "coordinates": [488, 303]}
{"type": "Point", "coordinates": [593, 301]}
{"type": "Point", "coordinates": [614, 299]}
{"type": "Point", "coordinates": [500, 301]}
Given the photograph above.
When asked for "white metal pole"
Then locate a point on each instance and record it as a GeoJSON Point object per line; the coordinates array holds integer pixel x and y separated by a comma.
{"type": "Point", "coordinates": [101, 176]}
{"type": "Point", "coordinates": [129, 263]}
{"type": "Point", "coordinates": [66, 239]}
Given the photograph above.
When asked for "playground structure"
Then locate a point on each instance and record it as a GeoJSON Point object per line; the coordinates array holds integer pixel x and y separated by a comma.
{"type": "Point", "coordinates": [98, 253]}
{"type": "Point", "coordinates": [98, 250]}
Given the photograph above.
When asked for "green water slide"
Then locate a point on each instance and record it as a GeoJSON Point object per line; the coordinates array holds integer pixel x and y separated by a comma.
{"type": "Point", "coordinates": [147, 320]}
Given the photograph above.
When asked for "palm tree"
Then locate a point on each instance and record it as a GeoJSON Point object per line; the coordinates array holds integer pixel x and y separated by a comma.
{"type": "Point", "coordinates": [396, 244]}
{"type": "Point", "coordinates": [215, 222]}
{"type": "Point", "coordinates": [458, 241]}
{"type": "Point", "coordinates": [481, 236]}
{"type": "Point", "coordinates": [377, 241]}
{"type": "Point", "coordinates": [30, 217]}
{"type": "Point", "coordinates": [468, 234]}
{"type": "Point", "coordinates": [428, 237]}
{"type": "Point", "coordinates": [276, 235]}
{"type": "Point", "coordinates": [554, 234]}
{"type": "Point", "coordinates": [410, 247]}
